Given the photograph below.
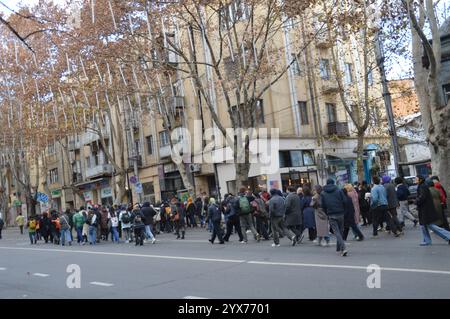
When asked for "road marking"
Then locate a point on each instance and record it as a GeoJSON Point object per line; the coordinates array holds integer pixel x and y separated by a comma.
{"type": "Point", "coordinates": [38, 274]}
{"type": "Point", "coordinates": [128, 255]}
{"type": "Point", "coordinates": [428, 271]}
{"type": "Point", "coordinates": [2, 268]}
{"type": "Point", "coordinates": [193, 297]}
{"type": "Point", "coordinates": [414, 270]}
{"type": "Point", "coordinates": [103, 284]}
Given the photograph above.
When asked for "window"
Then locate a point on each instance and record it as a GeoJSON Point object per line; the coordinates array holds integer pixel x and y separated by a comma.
{"type": "Point", "coordinates": [308, 158]}
{"type": "Point", "coordinates": [51, 149]}
{"type": "Point", "coordinates": [164, 138]}
{"type": "Point", "coordinates": [88, 162]}
{"type": "Point", "coordinates": [238, 10]}
{"type": "Point", "coordinates": [53, 176]}
{"type": "Point", "coordinates": [137, 147]}
{"type": "Point", "coordinates": [295, 66]}
{"type": "Point", "coordinates": [324, 69]}
{"type": "Point", "coordinates": [303, 113]}
{"type": "Point", "coordinates": [259, 112]}
{"type": "Point", "coordinates": [331, 112]}
{"type": "Point", "coordinates": [370, 77]}
{"type": "Point", "coordinates": [446, 89]}
{"type": "Point", "coordinates": [348, 73]}
{"type": "Point", "coordinates": [149, 144]}
{"type": "Point", "coordinates": [296, 158]}
{"type": "Point", "coordinates": [148, 188]}
{"type": "Point", "coordinates": [290, 23]}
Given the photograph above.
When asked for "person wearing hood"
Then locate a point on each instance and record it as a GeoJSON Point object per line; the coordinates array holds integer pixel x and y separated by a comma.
{"type": "Point", "coordinates": [277, 209]}
{"type": "Point", "coordinates": [402, 196]}
{"type": "Point", "coordinates": [428, 215]}
{"type": "Point", "coordinates": [391, 196]}
{"type": "Point", "coordinates": [148, 213]}
{"type": "Point", "coordinates": [215, 216]}
{"type": "Point", "coordinates": [443, 198]}
{"type": "Point", "coordinates": [333, 203]}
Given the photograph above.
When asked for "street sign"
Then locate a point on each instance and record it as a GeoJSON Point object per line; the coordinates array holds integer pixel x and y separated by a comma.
{"type": "Point", "coordinates": [138, 188]}
{"type": "Point", "coordinates": [133, 179]}
{"type": "Point", "coordinates": [41, 197]}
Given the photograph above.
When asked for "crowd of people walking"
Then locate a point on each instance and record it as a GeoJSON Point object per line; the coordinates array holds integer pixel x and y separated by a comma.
{"type": "Point", "coordinates": [322, 212]}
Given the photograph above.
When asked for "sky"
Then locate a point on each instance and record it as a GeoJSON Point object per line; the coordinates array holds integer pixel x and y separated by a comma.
{"type": "Point", "coordinates": [398, 66]}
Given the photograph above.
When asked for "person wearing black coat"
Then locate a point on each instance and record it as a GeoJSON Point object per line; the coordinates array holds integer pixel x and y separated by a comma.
{"type": "Point", "coordinates": [428, 216]}
{"type": "Point", "coordinates": [215, 216]}
{"type": "Point", "coordinates": [148, 213]}
{"type": "Point", "coordinates": [45, 226]}
{"type": "Point", "coordinates": [294, 216]}
{"type": "Point", "coordinates": [364, 205]}
{"type": "Point", "coordinates": [349, 219]}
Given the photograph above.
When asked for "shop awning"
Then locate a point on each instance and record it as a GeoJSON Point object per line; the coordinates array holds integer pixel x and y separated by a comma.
{"type": "Point", "coordinates": [415, 163]}
{"type": "Point", "coordinates": [350, 156]}
{"type": "Point", "coordinates": [89, 182]}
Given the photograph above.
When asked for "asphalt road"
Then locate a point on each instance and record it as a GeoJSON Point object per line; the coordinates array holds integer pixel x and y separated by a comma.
{"type": "Point", "coordinates": [193, 268]}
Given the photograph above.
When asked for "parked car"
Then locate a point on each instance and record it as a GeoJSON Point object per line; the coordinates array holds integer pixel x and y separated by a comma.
{"type": "Point", "coordinates": [412, 186]}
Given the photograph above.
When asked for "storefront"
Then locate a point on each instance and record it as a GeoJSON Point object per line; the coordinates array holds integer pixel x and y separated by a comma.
{"type": "Point", "coordinates": [97, 191]}
{"type": "Point", "coordinates": [56, 200]}
{"type": "Point", "coordinates": [170, 181]}
{"type": "Point", "coordinates": [106, 195]}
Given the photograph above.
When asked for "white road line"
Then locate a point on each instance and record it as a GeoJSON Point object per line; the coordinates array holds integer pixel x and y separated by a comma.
{"type": "Point", "coordinates": [2, 268]}
{"type": "Point", "coordinates": [414, 270]}
{"type": "Point", "coordinates": [428, 271]}
{"type": "Point", "coordinates": [193, 297]}
{"type": "Point", "coordinates": [103, 284]}
{"type": "Point", "coordinates": [38, 274]}
{"type": "Point", "coordinates": [128, 254]}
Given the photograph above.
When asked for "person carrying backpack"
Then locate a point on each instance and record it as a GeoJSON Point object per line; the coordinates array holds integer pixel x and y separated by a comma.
{"type": "Point", "coordinates": [65, 229]}
{"type": "Point", "coordinates": [32, 230]}
{"type": "Point", "coordinates": [125, 218]}
{"type": "Point", "coordinates": [215, 216]}
{"type": "Point", "coordinates": [139, 226]}
{"type": "Point", "coordinates": [92, 222]}
{"type": "Point", "coordinates": [261, 215]}
{"type": "Point", "coordinates": [245, 211]}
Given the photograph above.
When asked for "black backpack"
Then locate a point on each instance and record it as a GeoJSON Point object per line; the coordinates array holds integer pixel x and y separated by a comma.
{"type": "Point", "coordinates": [126, 218]}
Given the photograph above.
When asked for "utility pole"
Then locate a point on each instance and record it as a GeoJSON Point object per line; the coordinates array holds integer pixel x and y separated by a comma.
{"type": "Point", "coordinates": [388, 102]}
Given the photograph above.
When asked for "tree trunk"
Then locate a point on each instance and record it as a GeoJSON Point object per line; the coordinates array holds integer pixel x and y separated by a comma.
{"type": "Point", "coordinates": [359, 156]}
{"type": "Point", "coordinates": [242, 170]}
{"type": "Point", "coordinates": [120, 184]}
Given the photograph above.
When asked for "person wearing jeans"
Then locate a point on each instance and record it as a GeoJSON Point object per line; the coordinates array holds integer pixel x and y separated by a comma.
{"type": "Point", "coordinates": [337, 225]}
{"type": "Point", "coordinates": [245, 217]}
{"type": "Point", "coordinates": [379, 206]}
{"type": "Point", "coordinates": [428, 214]}
{"type": "Point", "coordinates": [402, 195]}
{"type": "Point", "coordinates": [92, 222]}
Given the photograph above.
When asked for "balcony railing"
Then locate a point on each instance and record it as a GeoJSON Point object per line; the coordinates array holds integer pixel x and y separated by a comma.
{"type": "Point", "coordinates": [77, 178]}
{"type": "Point", "coordinates": [330, 86]}
{"type": "Point", "coordinates": [338, 129]}
{"type": "Point", "coordinates": [132, 159]}
{"type": "Point", "coordinates": [99, 170]}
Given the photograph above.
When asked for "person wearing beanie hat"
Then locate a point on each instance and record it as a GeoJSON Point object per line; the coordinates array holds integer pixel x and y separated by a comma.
{"type": "Point", "coordinates": [215, 215]}
{"type": "Point", "coordinates": [428, 216]}
{"type": "Point", "coordinates": [330, 181]}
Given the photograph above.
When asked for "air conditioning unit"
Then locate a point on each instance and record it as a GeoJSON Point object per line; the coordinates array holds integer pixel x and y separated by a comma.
{"type": "Point", "coordinates": [194, 168]}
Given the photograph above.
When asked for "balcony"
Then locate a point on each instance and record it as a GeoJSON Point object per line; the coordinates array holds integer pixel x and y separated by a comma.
{"type": "Point", "coordinates": [338, 128]}
{"type": "Point", "coordinates": [77, 178]}
{"type": "Point", "coordinates": [74, 145]}
{"type": "Point", "coordinates": [99, 170]}
{"type": "Point", "coordinates": [330, 86]}
{"type": "Point", "coordinates": [165, 151]}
